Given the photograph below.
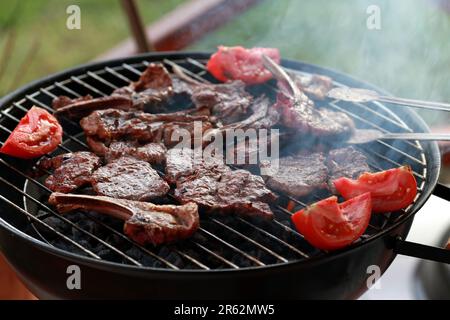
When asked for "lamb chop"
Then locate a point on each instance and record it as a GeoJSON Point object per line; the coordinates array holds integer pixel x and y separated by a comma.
{"type": "Point", "coordinates": [228, 102]}
{"type": "Point", "coordinates": [153, 153]}
{"type": "Point", "coordinates": [215, 187]}
{"type": "Point", "coordinates": [314, 85]}
{"type": "Point", "coordinates": [297, 175]}
{"type": "Point", "coordinates": [80, 107]}
{"type": "Point", "coordinates": [299, 113]}
{"type": "Point", "coordinates": [129, 178]}
{"type": "Point", "coordinates": [154, 86]}
{"type": "Point", "coordinates": [71, 170]}
{"type": "Point", "coordinates": [145, 223]}
{"type": "Point", "coordinates": [113, 124]}
{"type": "Point", "coordinates": [345, 162]}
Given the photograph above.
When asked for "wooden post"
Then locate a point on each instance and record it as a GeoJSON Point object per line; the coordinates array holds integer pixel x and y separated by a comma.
{"type": "Point", "coordinates": [137, 28]}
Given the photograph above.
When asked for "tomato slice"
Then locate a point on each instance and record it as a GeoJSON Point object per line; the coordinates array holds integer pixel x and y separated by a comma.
{"type": "Point", "coordinates": [328, 225]}
{"type": "Point", "coordinates": [239, 63]}
{"type": "Point", "coordinates": [37, 133]}
{"type": "Point", "coordinates": [391, 190]}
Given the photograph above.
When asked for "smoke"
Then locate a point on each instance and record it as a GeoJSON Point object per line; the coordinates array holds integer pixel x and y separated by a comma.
{"type": "Point", "coordinates": [407, 56]}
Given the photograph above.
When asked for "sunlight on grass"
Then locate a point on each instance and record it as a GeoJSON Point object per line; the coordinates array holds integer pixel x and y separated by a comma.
{"type": "Point", "coordinates": [42, 24]}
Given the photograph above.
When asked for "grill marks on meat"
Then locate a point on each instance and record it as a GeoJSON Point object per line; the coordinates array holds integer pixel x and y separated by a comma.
{"type": "Point", "coordinates": [155, 80]}
{"type": "Point", "coordinates": [111, 124]}
{"type": "Point", "coordinates": [346, 162]}
{"type": "Point", "coordinates": [129, 178]}
{"type": "Point", "coordinates": [303, 117]}
{"type": "Point", "coordinates": [63, 101]}
{"type": "Point", "coordinates": [297, 175]}
{"type": "Point", "coordinates": [314, 85]}
{"type": "Point", "coordinates": [153, 87]}
{"type": "Point", "coordinates": [215, 187]}
{"type": "Point", "coordinates": [227, 102]}
{"type": "Point", "coordinates": [78, 108]}
{"type": "Point", "coordinates": [144, 222]}
{"type": "Point", "coordinates": [71, 170]}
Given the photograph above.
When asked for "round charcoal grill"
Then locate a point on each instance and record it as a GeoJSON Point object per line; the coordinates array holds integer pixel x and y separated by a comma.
{"type": "Point", "coordinates": [229, 257]}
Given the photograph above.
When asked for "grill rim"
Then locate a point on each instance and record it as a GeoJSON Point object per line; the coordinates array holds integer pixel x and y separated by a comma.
{"type": "Point", "coordinates": [430, 150]}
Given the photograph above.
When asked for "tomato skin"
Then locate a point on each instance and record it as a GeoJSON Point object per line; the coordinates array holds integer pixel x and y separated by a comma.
{"type": "Point", "coordinates": [239, 63]}
{"type": "Point", "coordinates": [328, 225]}
{"type": "Point", "coordinates": [37, 133]}
{"type": "Point", "coordinates": [391, 190]}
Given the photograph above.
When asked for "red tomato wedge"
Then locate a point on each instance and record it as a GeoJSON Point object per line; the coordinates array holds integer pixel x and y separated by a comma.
{"type": "Point", "coordinates": [37, 133]}
{"type": "Point", "coordinates": [239, 63]}
{"type": "Point", "coordinates": [329, 225]}
{"type": "Point", "coordinates": [391, 190]}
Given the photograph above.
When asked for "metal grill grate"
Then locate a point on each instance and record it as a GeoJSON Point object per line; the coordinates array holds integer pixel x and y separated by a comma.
{"type": "Point", "coordinates": [221, 242]}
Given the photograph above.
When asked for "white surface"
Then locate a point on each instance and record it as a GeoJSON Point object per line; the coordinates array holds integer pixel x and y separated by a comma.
{"type": "Point", "coordinates": [428, 228]}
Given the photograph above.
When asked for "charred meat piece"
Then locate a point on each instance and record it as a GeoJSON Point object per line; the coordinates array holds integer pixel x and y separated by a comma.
{"type": "Point", "coordinates": [71, 170]}
{"type": "Point", "coordinates": [63, 101]}
{"type": "Point", "coordinates": [153, 86]}
{"type": "Point", "coordinates": [78, 108]}
{"type": "Point", "coordinates": [155, 78]}
{"type": "Point", "coordinates": [302, 116]}
{"type": "Point", "coordinates": [236, 191]}
{"type": "Point", "coordinates": [112, 124]}
{"type": "Point", "coordinates": [180, 87]}
{"type": "Point", "coordinates": [228, 102]}
{"type": "Point", "coordinates": [314, 85]}
{"type": "Point", "coordinates": [346, 162]}
{"type": "Point", "coordinates": [181, 163]}
{"type": "Point", "coordinates": [153, 153]}
{"type": "Point", "coordinates": [145, 223]}
{"type": "Point", "coordinates": [263, 116]}
{"type": "Point", "coordinates": [296, 175]}
{"type": "Point", "coordinates": [215, 187]}
{"type": "Point", "coordinates": [129, 178]}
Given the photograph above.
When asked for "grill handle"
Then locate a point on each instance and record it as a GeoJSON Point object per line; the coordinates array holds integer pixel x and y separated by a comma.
{"type": "Point", "coordinates": [442, 192]}
{"type": "Point", "coordinates": [423, 251]}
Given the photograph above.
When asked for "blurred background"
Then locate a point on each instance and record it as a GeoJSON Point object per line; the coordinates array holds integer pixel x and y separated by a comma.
{"type": "Point", "coordinates": [407, 56]}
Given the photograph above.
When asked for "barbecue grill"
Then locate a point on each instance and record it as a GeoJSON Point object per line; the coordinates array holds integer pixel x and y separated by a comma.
{"type": "Point", "coordinates": [229, 257]}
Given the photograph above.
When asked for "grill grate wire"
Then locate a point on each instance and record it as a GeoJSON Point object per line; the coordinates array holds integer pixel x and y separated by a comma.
{"type": "Point", "coordinates": [214, 232]}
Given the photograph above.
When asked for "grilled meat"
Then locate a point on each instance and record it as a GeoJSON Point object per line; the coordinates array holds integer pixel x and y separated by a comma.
{"type": "Point", "coordinates": [227, 102]}
{"type": "Point", "coordinates": [112, 124]}
{"type": "Point", "coordinates": [263, 116]}
{"type": "Point", "coordinates": [145, 223]}
{"type": "Point", "coordinates": [182, 164]}
{"type": "Point", "coordinates": [314, 85]}
{"type": "Point", "coordinates": [62, 101]}
{"type": "Point", "coordinates": [215, 187]}
{"type": "Point", "coordinates": [153, 153]}
{"type": "Point", "coordinates": [303, 117]}
{"type": "Point", "coordinates": [345, 162]}
{"type": "Point", "coordinates": [180, 87]}
{"type": "Point", "coordinates": [78, 108]}
{"type": "Point", "coordinates": [129, 178]}
{"type": "Point", "coordinates": [297, 175]}
{"type": "Point", "coordinates": [71, 170]}
{"type": "Point", "coordinates": [154, 86]}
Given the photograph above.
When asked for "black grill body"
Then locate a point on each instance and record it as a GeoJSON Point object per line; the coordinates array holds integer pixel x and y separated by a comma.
{"type": "Point", "coordinates": [311, 274]}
